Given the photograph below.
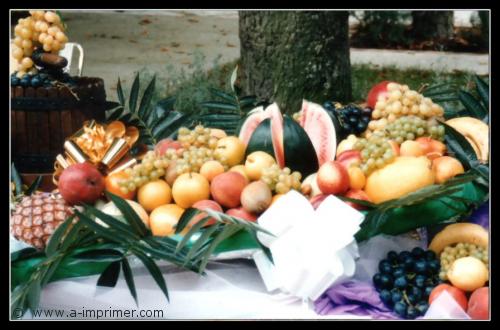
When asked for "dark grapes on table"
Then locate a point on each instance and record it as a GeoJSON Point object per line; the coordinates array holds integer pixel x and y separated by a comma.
{"type": "Point", "coordinates": [406, 279]}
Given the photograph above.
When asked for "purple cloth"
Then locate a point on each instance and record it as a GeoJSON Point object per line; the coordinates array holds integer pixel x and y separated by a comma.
{"type": "Point", "coordinates": [481, 216]}
{"type": "Point", "coordinates": [353, 297]}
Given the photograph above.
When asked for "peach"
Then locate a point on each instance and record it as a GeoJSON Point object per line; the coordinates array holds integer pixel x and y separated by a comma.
{"type": "Point", "coordinates": [349, 157]}
{"type": "Point", "coordinates": [240, 169]}
{"type": "Point", "coordinates": [478, 308]}
{"type": "Point", "coordinates": [203, 205]}
{"type": "Point", "coordinates": [165, 144]}
{"type": "Point", "coordinates": [445, 168]}
{"type": "Point", "coordinates": [333, 178]}
{"type": "Point", "coordinates": [431, 148]}
{"type": "Point", "coordinates": [211, 169]}
{"type": "Point", "coordinates": [226, 188]}
{"type": "Point", "coordinates": [411, 148]}
{"type": "Point", "coordinates": [241, 213]}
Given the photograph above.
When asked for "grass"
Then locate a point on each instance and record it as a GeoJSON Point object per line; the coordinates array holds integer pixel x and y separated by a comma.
{"type": "Point", "coordinates": [364, 77]}
{"type": "Point", "coordinates": [191, 87]}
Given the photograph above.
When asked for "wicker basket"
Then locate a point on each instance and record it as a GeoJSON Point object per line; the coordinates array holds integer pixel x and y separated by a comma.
{"type": "Point", "coordinates": [42, 118]}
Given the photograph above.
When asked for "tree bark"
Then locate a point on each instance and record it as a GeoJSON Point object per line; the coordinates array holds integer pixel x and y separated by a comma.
{"type": "Point", "coordinates": [432, 24]}
{"type": "Point", "coordinates": [288, 56]}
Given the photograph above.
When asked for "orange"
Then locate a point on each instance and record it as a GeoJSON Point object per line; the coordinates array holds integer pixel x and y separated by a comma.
{"type": "Point", "coordinates": [164, 219]}
{"type": "Point", "coordinates": [190, 188]}
{"type": "Point", "coordinates": [153, 194]}
{"type": "Point", "coordinates": [112, 185]}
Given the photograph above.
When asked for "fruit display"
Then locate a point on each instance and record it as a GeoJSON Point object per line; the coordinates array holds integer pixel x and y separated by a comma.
{"type": "Point", "coordinates": [81, 183]}
{"type": "Point", "coordinates": [406, 279]}
{"type": "Point", "coordinates": [478, 307]}
{"type": "Point", "coordinates": [256, 197]}
{"type": "Point", "coordinates": [281, 180]}
{"type": "Point", "coordinates": [37, 216]}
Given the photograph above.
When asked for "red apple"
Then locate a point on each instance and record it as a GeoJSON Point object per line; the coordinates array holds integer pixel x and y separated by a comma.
{"type": "Point", "coordinates": [333, 178]}
{"type": "Point", "coordinates": [81, 183]}
{"type": "Point", "coordinates": [455, 293]}
{"type": "Point", "coordinates": [239, 212]}
{"type": "Point", "coordinates": [165, 144]}
{"type": "Point", "coordinates": [317, 200]}
{"type": "Point", "coordinates": [349, 157]}
{"type": "Point", "coordinates": [478, 308]}
{"type": "Point", "coordinates": [379, 89]}
{"type": "Point", "coordinates": [204, 205]}
{"type": "Point", "coordinates": [357, 194]}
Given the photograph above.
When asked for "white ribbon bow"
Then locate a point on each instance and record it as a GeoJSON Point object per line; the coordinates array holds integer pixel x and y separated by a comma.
{"type": "Point", "coordinates": [311, 249]}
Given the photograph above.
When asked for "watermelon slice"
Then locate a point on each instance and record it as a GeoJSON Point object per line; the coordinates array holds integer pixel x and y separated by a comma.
{"type": "Point", "coordinates": [254, 118]}
{"type": "Point", "coordinates": [277, 133]}
{"type": "Point", "coordinates": [320, 128]}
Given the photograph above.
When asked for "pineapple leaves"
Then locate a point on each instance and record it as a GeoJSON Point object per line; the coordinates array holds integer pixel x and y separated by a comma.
{"type": "Point", "coordinates": [16, 178]}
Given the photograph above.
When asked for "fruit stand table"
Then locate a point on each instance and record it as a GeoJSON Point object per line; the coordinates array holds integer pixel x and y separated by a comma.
{"type": "Point", "coordinates": [232, 289]}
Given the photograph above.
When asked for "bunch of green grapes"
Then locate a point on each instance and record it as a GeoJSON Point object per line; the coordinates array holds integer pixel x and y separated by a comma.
{"type": "Point", "coordinates": [461, 250]}
{"type": "Point", "coordinates": [198, 137]}
{"type": "Point", "coordinates": [280, 180]}
{"type": "Point", "coordinates": [412, 127]}
{"type": "Point", "coordinates": [376, 152]}
{"type": "Point", "coordinates": [401, 101]}
{"type": "Point", "coordinates": [44, 30]}
{"type": "Point", "coordinates": [193, 158]}
{"type": "Point", "coordinates": [152, 167]}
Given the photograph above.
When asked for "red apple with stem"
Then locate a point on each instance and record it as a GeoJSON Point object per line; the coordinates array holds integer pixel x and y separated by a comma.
{"type": "Point", "coordinates": [81, 183]}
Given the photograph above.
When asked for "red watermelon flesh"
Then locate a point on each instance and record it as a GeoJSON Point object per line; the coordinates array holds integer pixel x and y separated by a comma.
{"type": "Point", "coordinates": [255, 117]}
{"type": "Point", "coordinates": [320, 128]}
{"type": "Point", "coordinates": [274, 113]}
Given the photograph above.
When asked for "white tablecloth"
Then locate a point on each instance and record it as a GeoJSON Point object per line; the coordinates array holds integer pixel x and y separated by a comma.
{"type": "Point", "coordinates": [231, 289]}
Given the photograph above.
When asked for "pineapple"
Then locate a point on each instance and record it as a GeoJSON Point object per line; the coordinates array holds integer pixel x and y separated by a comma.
{"type": "Point", "coordinates": [36, 217]}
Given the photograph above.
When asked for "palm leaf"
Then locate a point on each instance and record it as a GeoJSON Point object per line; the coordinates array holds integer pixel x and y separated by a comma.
{"type": "Point", "coordinates": [130, 215]}
{"type": "Point", "coordinates": [475, 108]}
{"type": "Point", "coordinates": [145, 105]}
{"type": "Point", "coordinates": [154, 271]}
{"type": "Point", "coordinates": [109, 276]}
{"type": "Point", "coordinates": [56, 238]}
{"type": "Point", "coordinates": [223, 95]}
{"type": "Point", "coordinates": [119, 91]}
{"type": "Point", "coordinates": [460, 147]}
{"type": "Point", "coordinates": [129, 279]}
{"type": "Point", "coordinates": [134, 93]}
{"type": "Point", "coordinates": [483, 90]}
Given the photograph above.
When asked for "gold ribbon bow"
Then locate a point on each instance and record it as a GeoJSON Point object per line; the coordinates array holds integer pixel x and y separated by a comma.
{"type": "Point", "coordinates": [102, 145]}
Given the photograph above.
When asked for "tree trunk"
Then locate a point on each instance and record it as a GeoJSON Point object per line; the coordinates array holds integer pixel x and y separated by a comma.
{"type": "Point", "coordinates": [288, 56]}
{"type": "Point", "coordinates": [432, 24]}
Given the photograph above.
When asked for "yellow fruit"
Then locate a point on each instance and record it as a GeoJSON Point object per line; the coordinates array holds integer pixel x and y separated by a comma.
{"type": "Point", "coordinates": [153, 194]}
{"type": "Point", "coordinates": [468, 274]}
{"type": "Point", "coordinates": [357, 178]}
{"type": "Point", "coordinates": [347, 144]}
{"type": "Point", "coordinates": [164, 218]}
{"type": "Point", "coordinates": [111, 209]}
{"type": "Point", "coordinates": [459, 233]}
{"type": "Point", "coordinates": [476, 132]}
{"type": "Point", "coordinates": [112, 183]}
{"type": "Point", "coordinates": [256, 162]}
{"type": "Point", "coordinates": [445, 168]}
{"type": "Point", "coordinates": [189, 188]}
{"type": "Point", "coordinates": [217, 133]}
{"type": "Point", "coordinates": [402, 176]}
{"type": "Point", "coordinates": [240, 169]}
{"type": "Point", "coordinates": [211, 169]}
{"type": "Point", "coordinates": [411, 148]}
{"type": "Point", "coordinates": [232, 149]}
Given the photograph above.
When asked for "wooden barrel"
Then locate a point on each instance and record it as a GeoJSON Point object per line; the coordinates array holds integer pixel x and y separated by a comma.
{"type": "Point", "coordinates": [42, 118]}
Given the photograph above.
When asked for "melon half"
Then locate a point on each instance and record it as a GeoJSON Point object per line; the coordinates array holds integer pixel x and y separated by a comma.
{"type": "Point", "coordinates": [320, 128]}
